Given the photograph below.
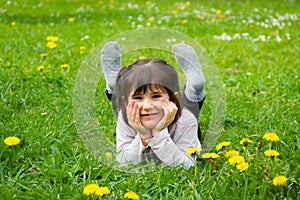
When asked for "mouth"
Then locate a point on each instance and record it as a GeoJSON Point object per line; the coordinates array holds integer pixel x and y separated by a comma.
{"type": "Point", "coordinates": [148, 114]}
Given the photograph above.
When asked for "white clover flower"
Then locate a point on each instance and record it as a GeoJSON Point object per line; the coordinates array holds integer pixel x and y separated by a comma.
{"type": "Point", "coordinates": [278, 38]}
{"type": "Point", "coordinates": [236, 36]}
{"type": "Point", "coordinates": [262, 38]}
{"type": "Point", "coordinates": [217, 37]}
{"type": "Point", "coordinates": [140, 18]}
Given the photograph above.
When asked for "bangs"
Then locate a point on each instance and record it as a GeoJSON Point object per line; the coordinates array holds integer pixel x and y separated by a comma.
{"type": "Point", "coordinates": [153, 87]}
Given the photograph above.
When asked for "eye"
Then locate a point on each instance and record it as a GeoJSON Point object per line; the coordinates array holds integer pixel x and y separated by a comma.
{"type": "Point", "coordinates": [156, 96]}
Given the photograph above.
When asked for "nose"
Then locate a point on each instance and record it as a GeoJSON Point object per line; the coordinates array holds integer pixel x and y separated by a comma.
{"type": "Point", "coordinates": [147, 104]}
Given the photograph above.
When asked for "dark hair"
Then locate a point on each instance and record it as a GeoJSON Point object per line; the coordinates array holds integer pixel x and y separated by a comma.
{"type": "Point", "coordinates": [142, 75]}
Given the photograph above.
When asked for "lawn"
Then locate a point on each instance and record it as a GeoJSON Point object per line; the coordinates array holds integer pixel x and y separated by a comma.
{"type": "Point", "coordinates": [250, 56]}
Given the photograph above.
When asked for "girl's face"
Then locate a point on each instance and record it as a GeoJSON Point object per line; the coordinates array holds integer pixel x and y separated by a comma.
{"type": "Point", "coordinates": [150, 105]}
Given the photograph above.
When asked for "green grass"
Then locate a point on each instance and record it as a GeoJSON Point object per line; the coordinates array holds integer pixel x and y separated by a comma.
{"type": "Point", "coordinates": [261, 80]}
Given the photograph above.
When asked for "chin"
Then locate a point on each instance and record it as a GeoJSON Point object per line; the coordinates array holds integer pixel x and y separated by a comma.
{"type": "Point", "coordinates": [149, 126]}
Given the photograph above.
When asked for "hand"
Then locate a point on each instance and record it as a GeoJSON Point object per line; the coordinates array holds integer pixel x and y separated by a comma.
{"type": "Point", "coordinates": [170, 110]}
{"type": "Point", "coordinates": [133, 116]}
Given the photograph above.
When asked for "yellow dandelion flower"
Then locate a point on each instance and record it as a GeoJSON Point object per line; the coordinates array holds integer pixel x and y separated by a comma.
{"type": "Point", "coordinates": [222, 145]}
{"type": "Point", "coordinates": [55, 38]}
{"type": "Point", "coordinates": [236, 160]}
{"type": "Point", "coordinates": [148, 3]}
{"type": "Point", "coordinates": [184, 21]}
{"type": "Point", "coordinates": [175, 12]}
{"type": "Point", "coordinates": [71, 19]}
{"type": "Point", "coordinates": [219, 12]}
{"type": "Point", "coordinates": [131, 195]}
{"type": "Point", "coordinates": [221, 17]}
{"type": "Point", "coordinates": [279, 180]}
{"type": "Point", "coordinates": [271, 153]}
{"type": "Point", "coordinates": [187, 4]}
{"type": "Point", "coordinates": [108, 155]}
{"type": "Point", "coordinates": [43, 55]}
{"type": "Point", "coordinates": [40, 68]}
{"type": "Point", "coordinates": [82, 48]}
{"type": "Point", "coordinates": [231, 153]}
{"type": "Point", "coordinates": [101, 191]}
{"type": "Point", "coordinates": [64, 66]}
{"type": "Point", "coordinates": [52, 38]}
{"type": "Point", "coordinates": [207, 14]}
{"type": "Point", "coordinates": [245, 141]}
{"type": "Point", "coordinates": [210, 155]}
{"type": "Point", "coordinates": [193, 150]}
{"type": "Point", "coordinates": [198, 17]}
{"type": "Point", "coordinates": [90, 189]}
{"type": "Point", "coordinates": [111, 1]}
{"type": "Point", "coordinates": [242, 166]}
{"type": "Point", "coordinates": [11, 141]}
{"type": "Point", "coordinates": [13, 24]}
{"type": "Point", "coordinates": [273, 137]}
{"type": "Point", "coordinates": [142, 57]}
{"type": "Point", "coordinates": [51, 45]}
{"type": "Point", "coordinates": [151, 19]}
{"type": "Point", "coordinates": [178, 7]}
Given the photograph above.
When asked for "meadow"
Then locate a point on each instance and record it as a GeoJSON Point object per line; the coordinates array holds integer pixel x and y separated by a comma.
{"type": "Point", "coordinates": [255, 47]}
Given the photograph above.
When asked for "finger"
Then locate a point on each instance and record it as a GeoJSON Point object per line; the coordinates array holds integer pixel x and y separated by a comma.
{"type": "Point", "coordinates": [130, 111]}
{"type": "Point", "coordinates": [136, 113]}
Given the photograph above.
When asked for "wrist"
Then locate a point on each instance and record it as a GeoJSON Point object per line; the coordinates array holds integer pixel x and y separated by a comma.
{"type": "Point", "coordinates": [156, 131]}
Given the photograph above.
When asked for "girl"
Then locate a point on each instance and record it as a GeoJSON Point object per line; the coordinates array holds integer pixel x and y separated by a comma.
{"type": "Point", "coordinates": [151, 123]}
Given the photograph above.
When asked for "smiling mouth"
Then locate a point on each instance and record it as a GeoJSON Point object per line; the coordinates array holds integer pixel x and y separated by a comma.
{"type": "Point", "coordinates": [148, 114]}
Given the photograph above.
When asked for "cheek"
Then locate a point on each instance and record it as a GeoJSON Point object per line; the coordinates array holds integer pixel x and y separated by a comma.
{"type": "Point", "coordinates": [158, 103]}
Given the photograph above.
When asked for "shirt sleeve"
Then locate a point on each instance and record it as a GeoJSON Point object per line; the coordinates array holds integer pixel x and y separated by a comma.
{"type": "Point", "coordinates": [173, 152]}
{"type": "Point", "coordinates": [129, 145]}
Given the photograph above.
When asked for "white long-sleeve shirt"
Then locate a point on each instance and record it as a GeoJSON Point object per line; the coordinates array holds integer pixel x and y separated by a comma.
{"type": "Point", "coordinates": [165, 147]}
